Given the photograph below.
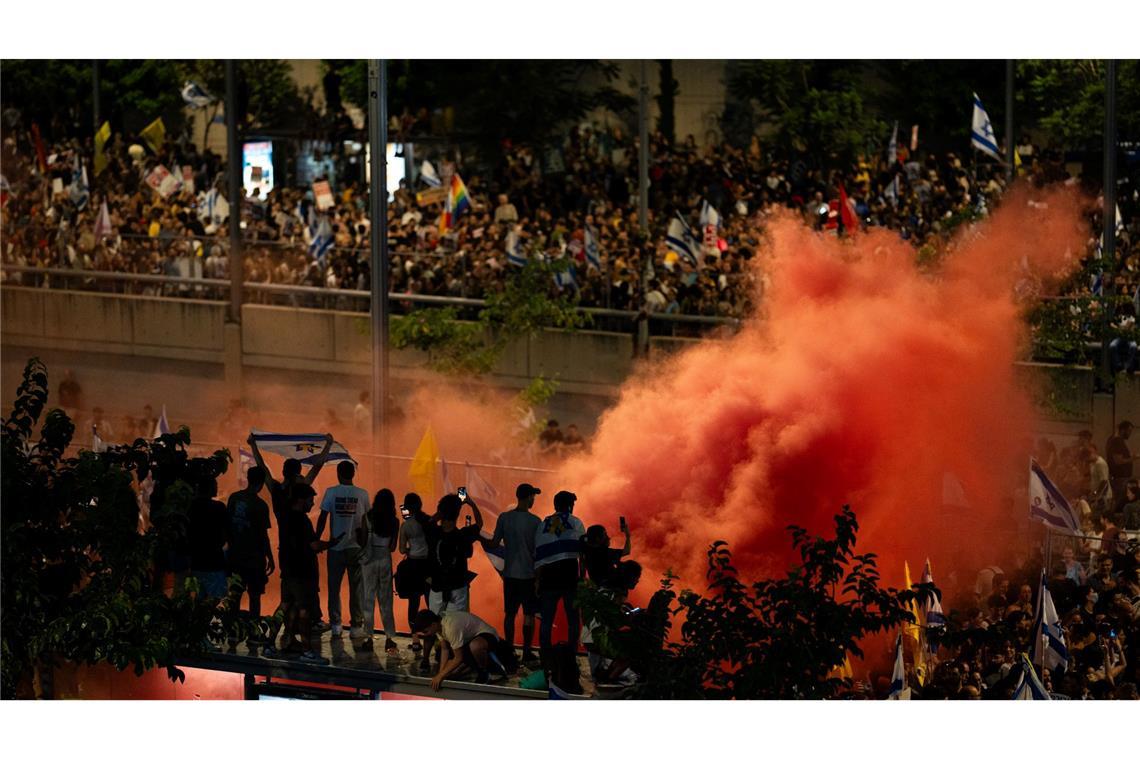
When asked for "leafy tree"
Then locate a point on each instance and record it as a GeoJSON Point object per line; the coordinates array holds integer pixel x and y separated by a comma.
{"type": "Point", "coordinates": [777, 638]}
{"type": "Point", "coordinates": [1065, 98]}
{"type": "Point", "coordinates": [525, 305]}
{"type": "Point", "coordinates": [493, 101]}
{"type": "Point", "coordinates": [78, 572]}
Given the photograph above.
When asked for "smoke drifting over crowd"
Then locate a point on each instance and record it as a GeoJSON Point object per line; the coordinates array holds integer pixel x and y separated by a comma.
{"type": "Point", "coordinates": [865, 381]}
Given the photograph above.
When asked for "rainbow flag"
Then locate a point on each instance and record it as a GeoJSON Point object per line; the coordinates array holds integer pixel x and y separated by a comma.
{"type": "Point", "coordinates": [457, 202]}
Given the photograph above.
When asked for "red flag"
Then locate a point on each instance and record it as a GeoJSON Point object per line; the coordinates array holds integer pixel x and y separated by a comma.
{"type": "Point", "coordinates": [41, 154]}
{"type": "Point", "coordinates": [847, 211]}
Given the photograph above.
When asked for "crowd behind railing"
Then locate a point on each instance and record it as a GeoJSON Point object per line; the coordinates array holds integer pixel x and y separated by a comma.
{"type": "Point", "coordinates": [52, 219]}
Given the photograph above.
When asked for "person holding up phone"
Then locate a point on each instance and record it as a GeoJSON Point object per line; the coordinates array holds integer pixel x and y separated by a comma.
{"type": "Point", "coordinates": [599, 561]}
{"type": "Point", "coordinates": [412, 572]}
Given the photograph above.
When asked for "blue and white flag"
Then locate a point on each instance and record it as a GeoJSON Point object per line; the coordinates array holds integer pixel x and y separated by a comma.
{"type": "Point", "coordinates": [593, 258]}
{"type": "Point", "coordinates": [898, 675]}
{"type": "Point", "coordinates": [1029, 687]}
{"type": "Point", "coordinates": [195, 96]}
{"type": "Point", "coordinates": [427, 171]}
{"type": "Point", "coordinates": [322, 240]}
{"type": "Point", "coordinates": [245, 461]}
{"type": "Point", "coordinates": [709, 215]}
{"type": "Point", "coordinates": [213, 207]}
{"type": "Point", "coordinates": [1097, 284]}
{"type": "Point", "coordinates": [306, 447]}
{"type": "Point", "coordinates": [982, 131]}
{"type": "Point", "coordinates": [161, 425]}
{"type": "Point", "coordinates": [80, 191]}
{"type": "Point", "coordinates": [559, 537]}
{"type": "Point", "coordinates": [932, 610]}
{"type": "Point", "coordinates": [893, 146]}
{"type": "Point", "coordinates": [566, 278]}
{"type": "Point", "coordinates": [892, 192]}
{"type": "Point", "coordinates": [515, 254]}
{"type": "Point", "coordinates": [1047, 504]}
{"type": "Point", "coordinates": [1050, 639]}
{"type": "Point", "coordinates": [679, 238]}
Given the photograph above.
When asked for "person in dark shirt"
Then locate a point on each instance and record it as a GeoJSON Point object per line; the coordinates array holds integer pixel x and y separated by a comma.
{"type": "Point", "coordinates": [299, 573]}
{"type": "Point", "coordinates": [598, 559]}
{"type": "Point", "coordinates": [449, 548]}
{"type": "Point", "coordinates": [557, 554]}
{"type": "Point", "coordinates": [250, 556]}
{"type": "Point", "coordinates": [1120, 459]}
{"type": "Point", "coordinates": [209, 529]}
{"type": "Point", "coordinates": [279, 492]}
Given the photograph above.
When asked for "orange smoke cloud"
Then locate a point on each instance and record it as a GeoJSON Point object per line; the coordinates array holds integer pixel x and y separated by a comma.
{"type": "Point", "coordinates": [864, 382]}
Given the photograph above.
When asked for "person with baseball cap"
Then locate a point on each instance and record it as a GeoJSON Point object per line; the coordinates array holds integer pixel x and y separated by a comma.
{"type": "Point", "coordinates": [557, 556]}
{"type": "Point", "coordinates": [515, 531]}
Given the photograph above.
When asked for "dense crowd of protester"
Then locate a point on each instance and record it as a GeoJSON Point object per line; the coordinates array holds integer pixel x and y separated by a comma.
{"type": "Point", "coordinates": [550, 204]}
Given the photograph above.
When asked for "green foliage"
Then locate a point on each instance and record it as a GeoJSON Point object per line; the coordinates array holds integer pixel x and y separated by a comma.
{"type": "Point", "coordinates": [1065, 98]}
{"type": "Point", "coordinates": [771, 639]}
{"type": "Point", "coordinates": [267, 95]}
{"type": "Point", "coordinates": [453, 347]}
{"type": "Point", "coordinates": [528, 303]}
{"type": "Point", "coordinates": [78, 573]}
{"type": "Point", "coordinates": [493, 100]}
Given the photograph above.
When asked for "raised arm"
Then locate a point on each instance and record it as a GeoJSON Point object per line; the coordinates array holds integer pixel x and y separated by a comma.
{"type": "Point", "coordinates": [625, 550]}
{"type": "Point", "coordinates": [260, 461]}
{"type": "Point", "coordinates": [321, 459]}
{"type": "Point", "coordinates": [478, 524]}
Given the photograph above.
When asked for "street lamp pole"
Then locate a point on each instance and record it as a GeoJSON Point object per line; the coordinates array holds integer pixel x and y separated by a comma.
{"type": "Point", "coordinates": [378, 210]}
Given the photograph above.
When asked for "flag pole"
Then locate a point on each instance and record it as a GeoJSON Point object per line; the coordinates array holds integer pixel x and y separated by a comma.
{"type": "Point", "coordinates": [378, 210]}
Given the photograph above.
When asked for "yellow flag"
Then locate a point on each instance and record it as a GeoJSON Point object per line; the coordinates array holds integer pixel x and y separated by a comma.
{"type": "Point", "coordinates": [842, 671]}
{"type": "Point", "coordinates": [154, 134]}
{"type": "Point", "coordinates": [423, 467]}
{"type": "Point", "coordinates": [101, 138]}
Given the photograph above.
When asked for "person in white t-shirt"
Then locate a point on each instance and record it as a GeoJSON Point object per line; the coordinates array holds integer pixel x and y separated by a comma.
{"type": "Point", "coordinates": [347, 505]}
{"type": "Point", "coordinates": [465, 639]}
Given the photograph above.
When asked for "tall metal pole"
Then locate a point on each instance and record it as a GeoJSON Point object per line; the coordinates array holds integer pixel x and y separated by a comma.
{"type": "Point", "coordinates": [643, 152]}
{"type": "Point", "coordinates": [95, 94]}
{"type": "Point", "coordinates": [1011, 146]}
{"type": "Point", "coordinates": [1108, 246]}
{"type": "Point", "coordinates": [378, 210]}
{"type": "Point", "coordinates": [643, 203]}
{"type": "Point", "coordinates": [235, 192]}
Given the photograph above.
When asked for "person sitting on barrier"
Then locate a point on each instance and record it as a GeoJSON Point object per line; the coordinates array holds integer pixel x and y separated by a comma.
{"type": "Point", "coordinates": [605, 668]}
{"type": "Point", "coordinates": [299, 573]}
{"type": "Point", "coordinates": [465, 640]}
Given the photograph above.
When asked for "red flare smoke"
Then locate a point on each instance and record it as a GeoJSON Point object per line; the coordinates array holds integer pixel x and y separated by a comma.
{"type": "Point", "coordinates": [864, 382]}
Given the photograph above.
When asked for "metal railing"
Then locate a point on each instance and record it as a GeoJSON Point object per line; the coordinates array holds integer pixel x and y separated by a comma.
{"type": "Point", "coordinates": [304, 296]}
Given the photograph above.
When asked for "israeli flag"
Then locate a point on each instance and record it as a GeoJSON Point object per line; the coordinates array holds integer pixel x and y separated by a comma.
{"type": "Point", "coordinates": [898, 675]}
{"type": "Point", "coordinates": [982, 131]}
{"type": "Point", "coordinates": [161, 426]}
{"type": "Point", "coordinates": [893, 146]}
{"type": "Point", "coordinates": [1029, 687]}
{"type": "Point", "coordinates": [195, 96]}
{"type": "Point", "coordinates": [892, 192]}
{"type": "Point", "coordinates": [591, 244]}
{"type": "Point", "coordinates": [214, 208]}
{"type": "Point", "coordinates": [322, 240]}
{"type": "Point", "coordinates": [566, 278]}
{"type": "Point", "coordinates": [305, 447]}
{"type": "Point", "coordinates": [80, 191]}
{"type": "Point", "coordinates": [515, 255]}
{"type": "Point", "coordinates": [427, 171]}
{"type": "Point", "coordinates": [245, 461]}
{"type": "Point", "coordinates": [679, 239]}
{"type": "Point", "coordinates": [1046, 503]}
{"type": "Point", "coordinates": [709, 215]}
{"type": "Point", "coordinates": [1097, 284]}
{"type": "Point", "coordinates": [932, 612]}
{"type": "Point", "coordinates": [1050, 647]}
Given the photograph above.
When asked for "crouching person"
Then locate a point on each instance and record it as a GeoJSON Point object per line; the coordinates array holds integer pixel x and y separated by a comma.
{"type": "Point", "coordinates": [465, 641]}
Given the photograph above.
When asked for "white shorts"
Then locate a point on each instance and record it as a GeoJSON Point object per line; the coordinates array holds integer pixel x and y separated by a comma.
{"type": "Point", "coordinates": [460, 600]}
